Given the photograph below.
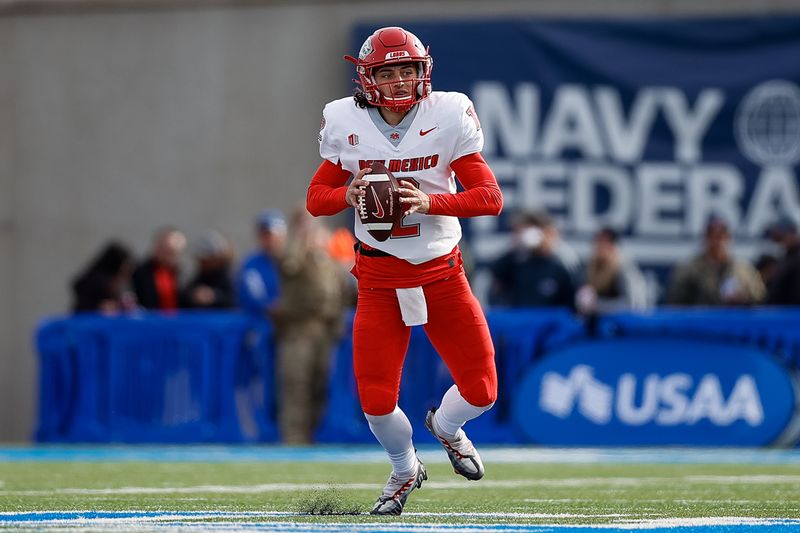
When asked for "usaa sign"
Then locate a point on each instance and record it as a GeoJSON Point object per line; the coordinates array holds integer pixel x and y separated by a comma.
{"type": "Point", "coordinates": [656, 391]}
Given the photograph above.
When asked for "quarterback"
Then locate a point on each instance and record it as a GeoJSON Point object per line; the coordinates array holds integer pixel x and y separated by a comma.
{"type": "Point", "coordinates": [427, 139]}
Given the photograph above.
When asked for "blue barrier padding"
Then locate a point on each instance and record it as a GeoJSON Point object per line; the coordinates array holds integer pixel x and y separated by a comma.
{"type": "Point", "coordinates": [209, 377]}
{"type": "Point", "coordinates": [774, 330]}
{"type": "Point", "coordinates": [192, 377]}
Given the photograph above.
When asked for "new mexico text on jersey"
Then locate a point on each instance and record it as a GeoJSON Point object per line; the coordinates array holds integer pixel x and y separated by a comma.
{"type": "Point", "coordinates": [444, 129]}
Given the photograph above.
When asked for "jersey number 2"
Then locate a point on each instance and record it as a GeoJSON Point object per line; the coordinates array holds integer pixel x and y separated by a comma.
{"type": "Point", "coordinates": [404, 231]}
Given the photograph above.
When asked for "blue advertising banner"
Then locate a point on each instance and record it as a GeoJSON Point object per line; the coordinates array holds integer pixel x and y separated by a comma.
{"type": "Point", "coordinates": [648, 126]}
{"type": "Point", "coordinates": [655, 390]}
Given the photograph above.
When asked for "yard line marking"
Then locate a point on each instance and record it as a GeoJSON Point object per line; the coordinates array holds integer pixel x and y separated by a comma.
{"type": "Point", "coordinates": [760, 478]}
{"type": "Point", "coordinates": [279, 487]}
{"type": "Point", "coordinates": [454, 484]}
{"type": "Point", "coordinates": [646, 500]}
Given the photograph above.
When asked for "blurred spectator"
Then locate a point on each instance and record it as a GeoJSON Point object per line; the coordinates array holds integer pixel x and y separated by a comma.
{"type": "Point", "coordinates": [531, 274]}
{"type": "Point", "coordinates": [714, 277]}
{"type": "Point", "coordinates": [767, 266]}
{"type": "Point", "coordinates": [612, 282]}
{"type": "Point", "coordinates": [784, 287]}
{"type": "Point", "coordinates": [157, 280]}
{"type": "Point", "coordinates": [104, 285]}
{"type": "Point", "coordinates": [257, 281]}
{"type": "Point", "coordinates": [309, 317]}
{"type": "Point", "coordinates": [341, 246]}
{"type": "Point", "coordinates": [212, 285]}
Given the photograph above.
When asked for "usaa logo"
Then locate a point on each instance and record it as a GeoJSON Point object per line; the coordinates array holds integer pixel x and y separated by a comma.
{"type": "Point", "coordinates": [664, 399]}
{"type": "Point", "coordinates": [657, 389]}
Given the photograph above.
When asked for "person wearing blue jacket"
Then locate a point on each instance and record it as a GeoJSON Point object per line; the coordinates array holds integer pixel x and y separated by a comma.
{"type": "Point", "coordinates": [258, 278]}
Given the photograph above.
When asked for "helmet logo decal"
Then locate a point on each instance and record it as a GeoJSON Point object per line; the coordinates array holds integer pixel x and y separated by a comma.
{"type": "Point", "coordinates": [366, 48]}
{"type": "Point", "coordinates": [352, 139]}
{"type": "Point", "coordinates": [397, 54]}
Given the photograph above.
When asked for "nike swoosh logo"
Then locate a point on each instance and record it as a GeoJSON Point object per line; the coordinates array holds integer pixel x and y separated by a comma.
{"type": "Point", "coordinates": [424, 133]}
{"type": "Point", "coordinates": [378, 213]}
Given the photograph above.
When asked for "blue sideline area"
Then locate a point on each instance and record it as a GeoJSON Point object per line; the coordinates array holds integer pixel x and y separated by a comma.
{"type": "Point", "coordinates": [208, 378]}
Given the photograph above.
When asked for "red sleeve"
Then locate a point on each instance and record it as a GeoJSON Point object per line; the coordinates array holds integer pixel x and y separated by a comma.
{"type": "Point", "coordinates": [327, 190]}
{"type": "Point", "coordinates": [481, 196]}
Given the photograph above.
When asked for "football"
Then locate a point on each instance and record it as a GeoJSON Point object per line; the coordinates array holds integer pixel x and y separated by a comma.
{"type": "Point", "coordinates": [380, 209]}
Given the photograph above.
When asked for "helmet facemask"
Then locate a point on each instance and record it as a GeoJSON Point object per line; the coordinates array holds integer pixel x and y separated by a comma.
{"type": "Point", "coordinates": [386, 94]}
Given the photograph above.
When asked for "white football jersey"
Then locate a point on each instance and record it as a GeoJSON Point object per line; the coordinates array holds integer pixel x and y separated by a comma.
{"type": "Point", "coordinates": [444, 129]}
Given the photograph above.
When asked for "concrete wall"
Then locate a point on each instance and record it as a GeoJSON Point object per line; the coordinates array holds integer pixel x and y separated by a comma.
{"type": "Point", "coordinates": [8, 358]}
{"type": "Point", "coordinates": [113, 122]}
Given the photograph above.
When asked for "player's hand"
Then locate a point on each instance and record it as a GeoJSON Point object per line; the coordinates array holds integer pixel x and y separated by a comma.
{"type": "Point", "coordinates": [356, 187]}
{"type": "Point", "coordinates": [415, 200]}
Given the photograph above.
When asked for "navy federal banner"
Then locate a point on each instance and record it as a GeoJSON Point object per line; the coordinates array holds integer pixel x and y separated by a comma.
{"type": "Point", "coordinates": [648, 126]}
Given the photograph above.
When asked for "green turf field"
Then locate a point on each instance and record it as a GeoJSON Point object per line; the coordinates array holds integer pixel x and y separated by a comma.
{"type": "Point", "coordinates": [527, 493]}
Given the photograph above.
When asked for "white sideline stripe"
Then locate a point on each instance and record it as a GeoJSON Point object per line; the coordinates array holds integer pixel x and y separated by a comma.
{"type": "Point", "coordinates": [455, 484]}
{"type": "Point", "coordinates": [641, 500]}
{"type": "Point", "coordinates": [760, 478]}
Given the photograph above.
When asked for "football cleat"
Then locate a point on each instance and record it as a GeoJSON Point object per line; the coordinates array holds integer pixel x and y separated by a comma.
{"type": "Point", "coordinates": [463, 455]}
{"type": "Point", "coordinates": [396, 492]}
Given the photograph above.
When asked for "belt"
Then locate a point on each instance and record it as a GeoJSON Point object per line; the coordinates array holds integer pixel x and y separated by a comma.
{"type": "Point", "coordinates": [369, 251]}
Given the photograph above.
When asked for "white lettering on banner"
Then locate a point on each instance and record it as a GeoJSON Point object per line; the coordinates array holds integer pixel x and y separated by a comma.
{"type": "Point", "coordinates": [671, 199]}
{"type": "Point", "coordinates": [744, 402]}
{"type": "Point", "coordinates": [626, 394]}
{"type": "Point", "coordinates": [585, 215]}
{"type": "Point", "coordinates": [674, 392]}
{"type": "Point", "coordinates": [514, 127]}
{"type": "Point", "coordinates": [714, 189]}
{"type": "Point", "coordinates": [687, 126]}
{"type": "Point", "coordinates": [580, 155]}
{"type": "Point", "coordinates": [544, 185]}
{"type": "Point", "coordinates": [776, 191]}
{"type": "Point", "coordinates": [626, 142]}
{"type": "Point", "coordinates": [659, 199]}
{"type": "Point", "coordinates": [571, 125]}
{"type": "Point", "coordinates": [664, 400]}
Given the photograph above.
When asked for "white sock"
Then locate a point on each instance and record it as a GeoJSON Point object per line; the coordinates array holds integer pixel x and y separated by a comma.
{"type": "Point", "coordinates": [454, 412]}
{"type": "Point", "coordinates": [394, 433]}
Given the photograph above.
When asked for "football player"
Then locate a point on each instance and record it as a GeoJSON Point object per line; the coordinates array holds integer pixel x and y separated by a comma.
{"type": "Point", "coordinates": [426, 139]}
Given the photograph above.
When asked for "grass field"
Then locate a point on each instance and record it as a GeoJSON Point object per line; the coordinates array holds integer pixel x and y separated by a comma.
{"type": "Point", "coordinates": [278, 489]}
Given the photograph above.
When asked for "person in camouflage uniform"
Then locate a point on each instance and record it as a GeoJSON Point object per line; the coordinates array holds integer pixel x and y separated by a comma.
{"type": "Point", "coordinates": [714, 277]}
{"type": "Point", "coordinates": [309, 318]}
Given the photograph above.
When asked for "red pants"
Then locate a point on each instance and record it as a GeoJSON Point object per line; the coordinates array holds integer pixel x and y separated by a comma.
{"type": "Point", "coordinates": [456, 327]}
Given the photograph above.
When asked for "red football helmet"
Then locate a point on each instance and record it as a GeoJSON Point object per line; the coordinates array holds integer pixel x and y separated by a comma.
{"type": "Point", "coordinates": [393, 46]}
